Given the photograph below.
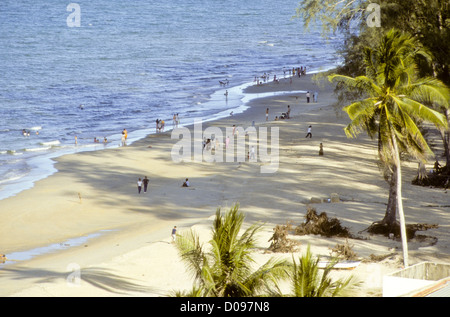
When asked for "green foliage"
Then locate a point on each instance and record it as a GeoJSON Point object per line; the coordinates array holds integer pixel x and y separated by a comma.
{"type": "Point", "coordinates": [331, 15]}
{"type": "Point", "coordinates": [225, 268]}
{"type": "Point", "coordinates": [392, 108]}
{"type": "Point", "coordinates": [309, 281]}
{"type": "Point", "coordinates": [428, 21]}
{"type": "Point", "coordinates": [394, 96]}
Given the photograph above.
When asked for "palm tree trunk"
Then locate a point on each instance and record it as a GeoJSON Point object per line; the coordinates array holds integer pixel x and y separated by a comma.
{"type": "Point", "coordinates": [446, 138]}
{"type": "Point", "coordinates": [401, 214]}
{"type": "Point", "coordinates": [390, 217]}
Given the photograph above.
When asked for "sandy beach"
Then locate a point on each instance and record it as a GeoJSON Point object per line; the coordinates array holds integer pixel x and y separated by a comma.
{"type": "Point", "coordinates": [131, 254]}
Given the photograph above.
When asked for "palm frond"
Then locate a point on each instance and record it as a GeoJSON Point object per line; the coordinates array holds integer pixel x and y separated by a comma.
{"type": "Point", "coordinates": [417, 110]}
{"type": "Point", "coordinates": [429, 90]}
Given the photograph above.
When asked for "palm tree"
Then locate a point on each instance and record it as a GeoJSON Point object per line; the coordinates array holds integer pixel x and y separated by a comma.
{"type": "Point", "coordinates": [391, 108]}
{"type": "Point", "coordinates": [225, 268]}
{"type": "Point", "coordinates": [308, 281]}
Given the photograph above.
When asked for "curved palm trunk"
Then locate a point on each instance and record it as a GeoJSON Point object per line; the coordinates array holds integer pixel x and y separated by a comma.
{"type": "Point", "coordinates": [401, 215]}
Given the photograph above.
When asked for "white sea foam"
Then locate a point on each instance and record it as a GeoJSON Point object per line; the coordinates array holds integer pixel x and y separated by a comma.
{"type": "Point", "coordinates": [51, 143]}
{"type": "Point", "coordinates": [37, 149]}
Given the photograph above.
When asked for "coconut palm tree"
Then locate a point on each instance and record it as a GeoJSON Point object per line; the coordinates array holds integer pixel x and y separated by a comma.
{"type": "Point", "coordinates": [225, 268]}
{"type": "Point", "coordinates": [308, 280]}
{"type": "Point", "coordinates": [391, 108]}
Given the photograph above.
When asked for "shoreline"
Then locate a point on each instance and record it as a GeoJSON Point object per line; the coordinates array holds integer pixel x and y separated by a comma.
{"type": "Point", "coordinates": [136, 249]}
{"type": "Point", "coordinates": [257, 93]}
{"type": "Point", "coordinates": [43, 166]}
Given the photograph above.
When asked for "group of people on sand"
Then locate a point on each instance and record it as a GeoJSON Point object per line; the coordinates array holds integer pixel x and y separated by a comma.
{"type": "Point", "coordinates": [300, 71]}
{"type": "Point", "coordinates": [142, 183]}
{"type": "Point", "coordinates": [308, 96]}
{"type": "Point", "coordinates": [284, 115]}
{"type": "Point", "coordinates": [160, 125]}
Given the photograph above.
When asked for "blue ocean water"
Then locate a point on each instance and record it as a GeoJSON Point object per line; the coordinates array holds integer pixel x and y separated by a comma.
{"type": "Point", "coordinates": [130, 63]}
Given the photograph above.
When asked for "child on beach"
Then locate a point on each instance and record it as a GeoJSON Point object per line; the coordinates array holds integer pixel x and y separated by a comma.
{"type": "Point", "coordinates": [309, 133]}
{"type": "Point", "coordinates": [186, 183]}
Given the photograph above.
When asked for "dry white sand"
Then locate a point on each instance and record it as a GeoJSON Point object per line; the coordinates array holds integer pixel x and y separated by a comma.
{"type": "Point", "coordinates": [134, 256]}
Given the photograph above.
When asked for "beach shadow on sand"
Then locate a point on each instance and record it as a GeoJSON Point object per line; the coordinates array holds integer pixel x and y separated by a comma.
{"type": "Point", "coordinates": [97, 277]}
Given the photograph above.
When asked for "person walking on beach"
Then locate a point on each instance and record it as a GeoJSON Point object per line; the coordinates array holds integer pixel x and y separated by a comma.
{"type": "Point", "coordinates": [139, 185]}
{"type": "Point", "coordinates": [267, 114]}
{"type": "Point", "coordinates": [145, 182]}
{"type": "Point", "coordinates": [307, 96]}
{"type": "Point", "coordinates": [309, 134]}
{"type": "Point", "coordinates": [174, 233]}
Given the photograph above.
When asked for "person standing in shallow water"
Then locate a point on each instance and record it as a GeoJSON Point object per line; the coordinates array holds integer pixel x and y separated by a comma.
{"type": "Point", "coordinates": [321, 149]}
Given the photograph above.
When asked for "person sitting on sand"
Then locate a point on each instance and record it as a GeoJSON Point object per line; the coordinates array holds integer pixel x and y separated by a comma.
{"type": "Point", "coordinates": [186, 183]}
